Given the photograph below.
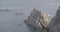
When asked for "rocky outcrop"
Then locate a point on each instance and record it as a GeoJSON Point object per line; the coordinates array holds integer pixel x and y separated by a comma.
{"type": "Point", "coordinates": [55, 22]}
{"type": "Point", "coordinates": [39, 20]}
{"type": "Point", "coordinates": [41, 23]}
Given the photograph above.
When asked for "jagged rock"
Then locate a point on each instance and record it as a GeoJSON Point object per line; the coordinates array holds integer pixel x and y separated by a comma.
{"type": "Point", "coordinates": [39, 20]}
{"type": "Point", "coordinates": [55, 22]}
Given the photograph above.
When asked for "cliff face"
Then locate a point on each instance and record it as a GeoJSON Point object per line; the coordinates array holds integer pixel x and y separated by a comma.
{"type": "Point", "coordinates": [55, 22]}
{"type": "Point", "coordinates": [39, 20]}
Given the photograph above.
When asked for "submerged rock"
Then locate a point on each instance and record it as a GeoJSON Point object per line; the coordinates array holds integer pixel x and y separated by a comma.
{"type": "Point", "coordinates": [39, 20]}
{"type": "Point", "coordinates": [4, 10]}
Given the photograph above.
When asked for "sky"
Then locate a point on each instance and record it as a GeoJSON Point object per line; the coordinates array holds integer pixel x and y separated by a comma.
{"type": "Point", "coordinates": [28, 3]}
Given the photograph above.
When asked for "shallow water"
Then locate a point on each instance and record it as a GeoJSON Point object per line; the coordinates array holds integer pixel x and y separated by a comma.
{"type": "Point", "coordinates": [13, 20]}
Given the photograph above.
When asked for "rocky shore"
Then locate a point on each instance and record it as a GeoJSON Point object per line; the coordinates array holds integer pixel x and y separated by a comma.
{"type": "Point", "coordinates": [39, 21]}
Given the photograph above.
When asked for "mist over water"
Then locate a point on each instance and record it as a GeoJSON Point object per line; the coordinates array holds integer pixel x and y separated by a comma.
{"type": "Point", "coordinates": [9, 20]}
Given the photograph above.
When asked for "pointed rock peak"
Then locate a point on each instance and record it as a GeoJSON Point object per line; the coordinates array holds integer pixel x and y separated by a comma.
{"type": "Point", "coordinates": [54, 24]}
{"type": "Point", "coordinates": [58, 12]}
{"type": "Point", "coordinates": [35, 9]}
{"type": "Point", "coordinates": [59, 6]}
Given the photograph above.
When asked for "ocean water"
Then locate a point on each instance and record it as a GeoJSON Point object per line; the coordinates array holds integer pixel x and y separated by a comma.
{"type": "Point", "coordinates": [19, 10]}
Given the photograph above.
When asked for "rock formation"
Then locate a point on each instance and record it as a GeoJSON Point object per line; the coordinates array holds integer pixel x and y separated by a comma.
{"type": "Point", "coordinates": [55, 22]}
{"type": "Point", "coordinates": [39, 20]}
{"type": "Point", "coordinates": [41, 23]}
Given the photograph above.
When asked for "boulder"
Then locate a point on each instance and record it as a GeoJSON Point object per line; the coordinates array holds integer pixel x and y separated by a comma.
{"type": "Point", "coordinates": [38, 19]}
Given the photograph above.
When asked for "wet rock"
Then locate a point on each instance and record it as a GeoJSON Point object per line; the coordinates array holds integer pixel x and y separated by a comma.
{"type": "Point", "coordinates": [4, 10]}
{"type": "Point", "coordinates": [7, 10]}
{"type": "Point", "coordinates": [39, 20]}
{"type": "Point", "coordinates": [55, 22]}
{"type": "Point", "coordinates": [19, 14]}
{"type": "Point", "coordinates": [19, 24]}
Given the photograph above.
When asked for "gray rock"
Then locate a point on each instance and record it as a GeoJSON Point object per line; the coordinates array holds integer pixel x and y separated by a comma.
{"type": "Point", "coordinates": [55, 22]}
{"type": "Point", "coordinates": [39, 20]}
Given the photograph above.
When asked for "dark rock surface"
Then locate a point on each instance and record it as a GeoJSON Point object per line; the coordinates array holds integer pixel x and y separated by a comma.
{"type": "Point", "coordinates": [55, 22]}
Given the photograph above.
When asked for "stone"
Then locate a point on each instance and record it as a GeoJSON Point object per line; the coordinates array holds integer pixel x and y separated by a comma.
{"type": "Point", "coordinates": [38, 19]}
{"type": "Point", "coordinates": [55, 22]}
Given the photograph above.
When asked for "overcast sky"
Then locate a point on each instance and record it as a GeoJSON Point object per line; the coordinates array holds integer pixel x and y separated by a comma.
{"type": "Point", "coordinates": [28, 3]}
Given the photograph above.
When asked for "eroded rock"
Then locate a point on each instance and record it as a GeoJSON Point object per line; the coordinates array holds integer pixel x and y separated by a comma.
{"type": "Point", "coordinates": [39, 20]}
